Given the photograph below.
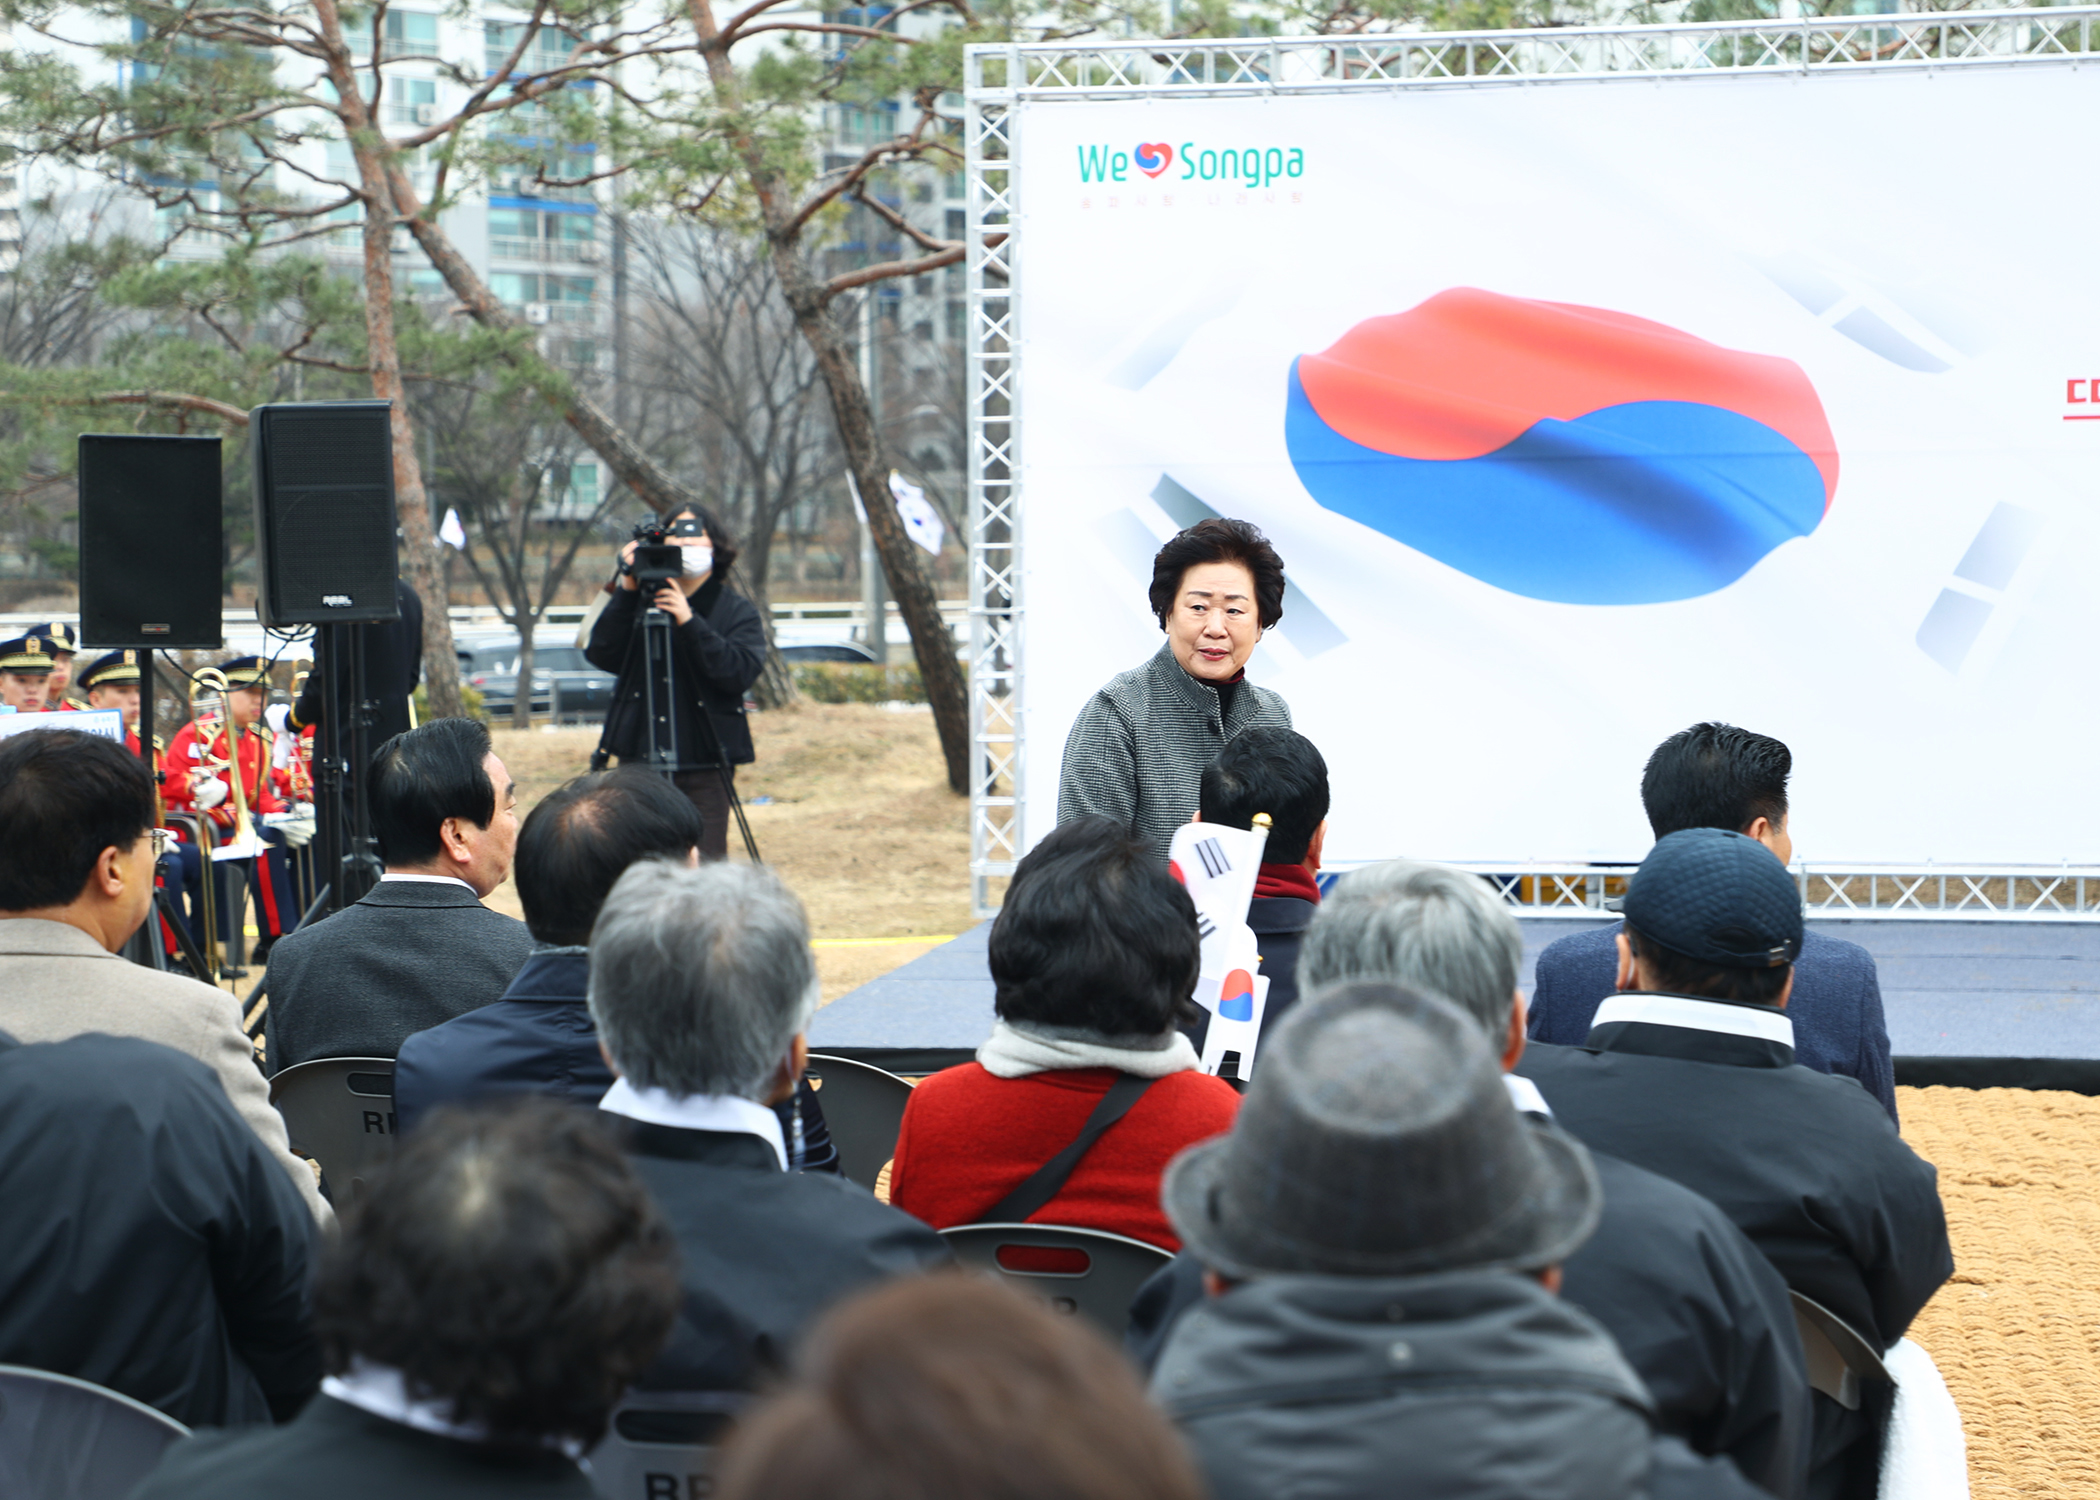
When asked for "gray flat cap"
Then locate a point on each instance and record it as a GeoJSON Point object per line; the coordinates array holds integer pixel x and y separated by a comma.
{"type": "Point", "coordinates": [1378, 1140]}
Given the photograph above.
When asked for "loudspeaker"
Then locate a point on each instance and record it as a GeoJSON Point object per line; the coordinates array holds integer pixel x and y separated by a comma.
{"type": "Point", "coordinates": [150, 542]}
{"type": "Point", "coordinates": [324, 512]}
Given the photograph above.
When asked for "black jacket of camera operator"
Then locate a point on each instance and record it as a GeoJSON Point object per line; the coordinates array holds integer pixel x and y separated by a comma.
{"type": "Point", "coordinates": [715, 658]}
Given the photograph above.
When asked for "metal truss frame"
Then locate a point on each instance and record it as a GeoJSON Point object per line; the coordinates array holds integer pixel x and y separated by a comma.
{"type": "Point", "coordinates": [1000, 78]}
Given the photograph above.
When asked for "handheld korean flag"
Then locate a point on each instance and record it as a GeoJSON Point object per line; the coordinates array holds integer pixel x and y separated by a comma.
{"type": "Point", "coordinates": [1218, 865]}
{"type": "Point", "coordinates": [922, 523]}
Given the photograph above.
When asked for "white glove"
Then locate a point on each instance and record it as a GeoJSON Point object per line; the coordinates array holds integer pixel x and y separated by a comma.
{"type": "Point", "coordinates": [276, 715]}
{"type": "Point", "coordinates": [211, 792]}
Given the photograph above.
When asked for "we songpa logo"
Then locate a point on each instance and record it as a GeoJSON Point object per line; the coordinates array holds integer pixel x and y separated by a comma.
{"type": "Point", "coordinates": [1251, 166]}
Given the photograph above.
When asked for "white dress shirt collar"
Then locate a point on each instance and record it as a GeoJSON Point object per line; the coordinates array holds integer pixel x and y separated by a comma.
{"type": "Point", "coordinates": [381, 1390]}
{"type": "Point", "coordinates": [723, 1113]}
{"type": "Point", "coordinates": [1525, 1095]}
{"type": "Point", "coordinates": [431, 880]}
{"type": "Point", "coordinates": [1693, 1014]}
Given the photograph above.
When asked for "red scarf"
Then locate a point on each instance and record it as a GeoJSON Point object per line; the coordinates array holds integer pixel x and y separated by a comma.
{"type": "Point", "coordinates": [1286, 880]}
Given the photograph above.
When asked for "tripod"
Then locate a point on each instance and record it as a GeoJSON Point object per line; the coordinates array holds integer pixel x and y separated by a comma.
{"type": "Point", "coordinates": [346, 854]}
{"type": "Point", "coordinates": [659, 708]}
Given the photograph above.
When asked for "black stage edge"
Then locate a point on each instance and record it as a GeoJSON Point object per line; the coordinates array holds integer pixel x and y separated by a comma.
{"type": "Point", "coordinates": [905, 1062]}
{"type": "Point", "coordinates": [2071, 1075]}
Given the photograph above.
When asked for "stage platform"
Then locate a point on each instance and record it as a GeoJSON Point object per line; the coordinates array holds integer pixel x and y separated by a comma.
{"type": "Point", "coordinates": [1973, 1003]}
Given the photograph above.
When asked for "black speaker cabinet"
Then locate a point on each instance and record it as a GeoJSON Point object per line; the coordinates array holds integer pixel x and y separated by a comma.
{"type": "Point", "coordinates": [324, 512]}
{"type": "Point", "coordinates": [150, 542]}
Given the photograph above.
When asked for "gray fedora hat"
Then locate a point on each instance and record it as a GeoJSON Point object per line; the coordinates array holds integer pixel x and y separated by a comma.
{"type": "Point", "coordinates": [1378, 1140]}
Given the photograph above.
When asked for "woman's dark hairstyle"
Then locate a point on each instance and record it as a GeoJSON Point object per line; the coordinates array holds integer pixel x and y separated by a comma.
{"type": "Point", "coordinates": [1715, 776]}
{"type": "Point", "coordinates": [1274, 771]}
{"type": "Point", "coordinates": [1682, 975]}
{"type": "Point", "coordinates": [1094, 933]}
{"type": "Point", "coordinates": [420, 778]}
{"type": "Point", "coordinates": [584, 834]}
{"type": "Point", "coordinates": [1219, 540]}
{"type": "Point", "coordinates": [65, 796]}
{"type": "Point", "coordinates": [944, 1387]}
{"type": "Point", "coordinates": [508, 1261]}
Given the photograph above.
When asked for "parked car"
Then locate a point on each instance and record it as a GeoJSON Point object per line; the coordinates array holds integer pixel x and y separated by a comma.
{"type": "Point", "coordinates": [852, 652]}
{"type": "Point", "coordinates": [559, 674]}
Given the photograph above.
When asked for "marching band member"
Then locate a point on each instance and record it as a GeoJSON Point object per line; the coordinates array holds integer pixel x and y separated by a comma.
{"type": "Point", "coordinates": [114, 681]}
{"type": "Point", "coordinates": [194, 784]}
{"type": "Point", "coordinates": [25, 673]}
{"type": "Point", "coordinates": [60, 644]}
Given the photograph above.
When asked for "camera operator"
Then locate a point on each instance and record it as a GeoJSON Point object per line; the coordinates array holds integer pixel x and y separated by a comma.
{"type": "Point", "coordinates": [719, 649]}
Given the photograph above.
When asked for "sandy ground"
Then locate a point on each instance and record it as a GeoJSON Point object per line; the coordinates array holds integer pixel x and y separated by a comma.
{"type": "Point", "coordinates": [2016, 1333]}
{"type": "Point", "coordinates": [861, 824]}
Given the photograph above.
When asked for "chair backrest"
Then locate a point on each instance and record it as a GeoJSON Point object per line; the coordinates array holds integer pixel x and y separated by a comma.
{"type": "Point", "coordinates": [1087, 1272]}
{"type": "Point", "coordinates": [65, 1439]}
{"type": "Point", "coordinates": [863, 1108]}
{"type": "Point", "coordinates": [1839, 1356]}
{"type": "Point", "coordinates": [661, 1445]}
{"type": "Point", "coordinates": [339, 1111]}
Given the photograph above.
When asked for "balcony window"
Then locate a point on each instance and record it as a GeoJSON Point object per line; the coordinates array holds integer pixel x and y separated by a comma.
{"type": "Point", "coordinates": [550, 49]}
{"type": "Point", "coordinates": [411, 33]}
{"type": "Point", "coordinates": [411, 101]}
{"type": "Point", "coordinates": [529, 234]}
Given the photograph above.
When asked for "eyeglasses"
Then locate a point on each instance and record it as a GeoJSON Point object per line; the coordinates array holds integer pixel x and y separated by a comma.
{"type": "Point", "coordinates": [161, 839]}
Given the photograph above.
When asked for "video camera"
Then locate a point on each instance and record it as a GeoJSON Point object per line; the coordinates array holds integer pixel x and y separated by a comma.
{"type": "Point", "coordinates": [657, 559]}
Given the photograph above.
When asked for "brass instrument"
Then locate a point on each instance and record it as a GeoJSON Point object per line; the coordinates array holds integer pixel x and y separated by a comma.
{"type": "Point", "coordinates": [302, 766]}
{"type": "Point", "coordinates": [212, 714]}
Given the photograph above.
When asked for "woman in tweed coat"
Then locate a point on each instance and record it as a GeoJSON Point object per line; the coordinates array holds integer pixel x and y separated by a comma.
{"type": "Point", "coordinates": [1137, 751]}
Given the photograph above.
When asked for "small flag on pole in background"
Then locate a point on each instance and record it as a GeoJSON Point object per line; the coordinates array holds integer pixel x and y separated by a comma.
{"type": "Point", "coordinates": [921, 520]}
{"type": "Point", "coordinates": [451, 531]}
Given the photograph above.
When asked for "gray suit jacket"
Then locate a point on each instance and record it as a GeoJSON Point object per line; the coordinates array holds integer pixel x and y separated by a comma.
{"type": "Point", "coordinates": [411, 955]}
{"type": "Point", "coordinates": [57, 982]}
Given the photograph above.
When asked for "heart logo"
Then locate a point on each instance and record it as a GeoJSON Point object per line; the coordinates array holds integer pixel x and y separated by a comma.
{"type": "Point", "coordinates": [1153, 157]}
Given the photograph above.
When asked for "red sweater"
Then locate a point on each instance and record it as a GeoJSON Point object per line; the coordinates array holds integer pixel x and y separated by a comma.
{"type": "Point", "coordinates": [969, 1139]}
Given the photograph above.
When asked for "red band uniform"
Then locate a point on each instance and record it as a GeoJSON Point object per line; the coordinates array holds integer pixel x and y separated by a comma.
{"type": "Point", "coordinates": [272, 884]}
{"type": "Point", "coordinates": [113, 682]}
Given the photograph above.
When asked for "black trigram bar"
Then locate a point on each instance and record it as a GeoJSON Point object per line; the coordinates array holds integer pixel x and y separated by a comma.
{"type": "Point", "coordinates": [1212, 853]}
{"type": "Point", "coordinates": [1204, 925]}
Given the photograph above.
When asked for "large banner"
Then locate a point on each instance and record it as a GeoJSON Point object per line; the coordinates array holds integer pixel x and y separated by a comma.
{"type": "Point", "coordinates": [1581, 413]}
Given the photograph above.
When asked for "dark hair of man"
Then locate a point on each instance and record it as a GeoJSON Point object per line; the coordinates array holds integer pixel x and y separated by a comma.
{"type": "Point", "coordinates": [507, 1261]}
{"type": "Point", "coordinates": [1095, 934]}
{"type": "Point", "coordinates": [955, 1386]}
{"type": "Point", "coordinates": [1715, 776]}
{"type": "Point", "coordinates": [1218, 540]}
{"type": "Point", "coordinates": [583, 834]}
{"type": "Point", "coordinates": [65, 797]}
{"type": "Point", "coordinates": [420, 778]}
{"type": "Point", "coordinates": [1268, 770]}
{"type": "Point", "coordinates": [1677, 974]}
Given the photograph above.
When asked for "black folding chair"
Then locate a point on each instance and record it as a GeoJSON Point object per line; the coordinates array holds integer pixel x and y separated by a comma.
{"type": "Point", "coordinates": [340, 1112]}
{"type": "Point", "coordinates": [864, 1108]}
{"type": "Point", "coordinates": [67, 1439]}
{"type": "Point", "coordinates": [662, 1445]}
{"type": "Point", "coordinates": [1087, 1272]}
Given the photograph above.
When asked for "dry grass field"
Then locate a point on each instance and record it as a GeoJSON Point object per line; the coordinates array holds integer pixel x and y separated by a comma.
{"type": "Point", "coordinates": [861, 824]}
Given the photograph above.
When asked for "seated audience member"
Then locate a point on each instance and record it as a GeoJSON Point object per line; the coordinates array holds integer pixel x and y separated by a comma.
{"type": "Point", "coordinates": [420, 948]}
{"type": "Point", "coordinates": [1382, 1236]}
{"type": "Point", "coordinates": [1694, 1077]}
{"type": "Point", "coordinates": [702, 982]}
{"type": "Point", "coordinates": [1718, 776]}
{"type": "Point", "coordinates": [1279, 772]}
{"type": "Point", "coordinates": [1094, 958]}
{"type": "Point", "coordinates": [1699, 1314]}
{"type": "Point", "coordinates": [954, 1388]}
{"type": "Point", "coordinates": [152, 1243]}
{"type": "Point", "coordinates": [539, 1038]}
{"type": "Point", "coordinates": [76, 881]}
{"type": "Point", "coordinates": [491, 1298]}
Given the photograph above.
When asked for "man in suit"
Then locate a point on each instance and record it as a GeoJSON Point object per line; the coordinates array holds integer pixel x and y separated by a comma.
{"type": "Point", "coordinates": [500, 1285]}
{"type": "Point", "coordinates": [702, 983]}
{"type": "Point", "coordinates": [1719, 776]}
{"type": "Point", "coordinates": [1282, 773]}
{"type": "Point", "coordinates": [76, 881]}
{"type": "Point", "coordinates": [420, 948]}
{"type": "Point", "coordinates": [1692, 1075]}
{"type": "Point", "coordinates": [153, 1245]}
{"type": "Point", "coordinates": [1698, 1313]}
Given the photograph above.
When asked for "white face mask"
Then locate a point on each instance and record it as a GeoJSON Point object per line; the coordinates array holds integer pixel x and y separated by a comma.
{"type": "Point", "coordinates": [699, 560]}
